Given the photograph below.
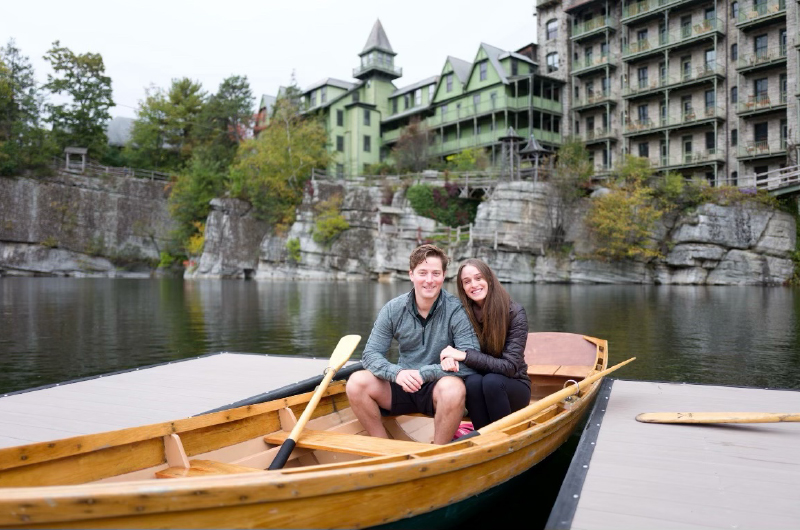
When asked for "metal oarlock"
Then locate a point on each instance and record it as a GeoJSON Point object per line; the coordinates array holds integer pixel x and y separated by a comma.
{"type": "Point", "coordinates": [569, 401]}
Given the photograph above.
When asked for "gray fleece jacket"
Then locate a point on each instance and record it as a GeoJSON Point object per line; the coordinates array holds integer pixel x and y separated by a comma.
{"type": "Point", "coordinates": [419, 346]}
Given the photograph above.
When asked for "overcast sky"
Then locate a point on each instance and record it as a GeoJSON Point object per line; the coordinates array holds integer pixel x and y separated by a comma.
{"type": "Point", "coordinates": [150, 42]}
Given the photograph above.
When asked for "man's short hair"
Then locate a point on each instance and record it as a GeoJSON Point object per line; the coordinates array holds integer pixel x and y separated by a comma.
{"type": "Point", "coordinates": [423, 252]}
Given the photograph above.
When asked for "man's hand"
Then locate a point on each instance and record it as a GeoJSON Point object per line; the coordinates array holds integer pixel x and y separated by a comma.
{"type": "Point", "coordinates": [452, 353]}
{"type": "Point", "coordinates": [449, 364]}
{"type": "Point", "coordinates": [409, 380]}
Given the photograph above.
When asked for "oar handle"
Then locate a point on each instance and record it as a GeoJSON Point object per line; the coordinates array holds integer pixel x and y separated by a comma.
{"type": "Point", "coordinates": [717, 417]}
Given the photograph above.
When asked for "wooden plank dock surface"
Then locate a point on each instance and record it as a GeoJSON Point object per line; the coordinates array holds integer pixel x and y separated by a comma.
{"type": "Point", "coordinates": [147, 395]}
{"type": "Point", "coordinates": [627, 474]}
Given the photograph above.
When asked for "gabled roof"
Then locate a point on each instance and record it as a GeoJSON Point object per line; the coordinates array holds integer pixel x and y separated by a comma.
{"type": "Point", "coordinates": [378, 40]}
{"type": "Point", "coordinates": [329, 81]}
{"type": "Point", "coordinates": [516, 55]}
{"type": "Point", "coordinates": [460, 67]}
{"type": "Point", "coordinates": [428, 81]}
{"type": "Point", "coordinates": [494, 57]}
{"type": "Point", "coordinates": [267, 102]}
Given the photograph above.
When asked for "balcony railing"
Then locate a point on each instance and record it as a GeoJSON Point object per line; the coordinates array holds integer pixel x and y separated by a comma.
{"type": "Point", "coordinates": [680, 36]}
{"type": "Point", "coordinates": [760, 11]}
{"type": "Point", "coordinates": [699, 73]}
{"type": "Point", "coordinates": [593, 99]}
{"type": "Point", "coordinates": [600, 133]}
{"type": "Point", "coordinates": [455, 114]}
{"type": "Point", "coordinates": [589, 26]}
{"type": "Point", "coordinates": [761, 103]}
{"type": "Point", "coordinates": [586, 63]}
{"type": "Point", "coordinates": [636, 9]}
{"type": "Point", "coordinates": [689, 159]}
{"type": "Point", "coordinates": [377, 65]}
{"type": "Point", "coordinates": [762, 58]}
{"type": "Point", "coordinates": [762, 148]}
{"type": "Point", "coordinates": [682, 119]}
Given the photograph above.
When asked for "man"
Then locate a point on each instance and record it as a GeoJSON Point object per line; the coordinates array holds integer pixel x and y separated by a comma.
{"type": "Point", "coordinates": [424, 321]}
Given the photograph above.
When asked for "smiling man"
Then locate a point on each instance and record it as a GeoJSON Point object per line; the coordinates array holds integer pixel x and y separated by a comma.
{"type": "Point", "coordinates": [424, 322]}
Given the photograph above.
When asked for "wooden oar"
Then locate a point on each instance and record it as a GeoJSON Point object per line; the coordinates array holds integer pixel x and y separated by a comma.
{"type": "Point", "coordinates": [717, 417]}
{"type": "Point", "coordinates": [341, 353]}
{"type": "Point", "coordinates": [534, 408]}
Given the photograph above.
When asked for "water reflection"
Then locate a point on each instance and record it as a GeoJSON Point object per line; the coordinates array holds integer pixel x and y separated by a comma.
{"type": "Point", "coordinates": [57, 329]}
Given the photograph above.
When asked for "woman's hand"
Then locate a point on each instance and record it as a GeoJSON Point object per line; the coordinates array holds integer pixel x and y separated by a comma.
{"type": "Point", "coordinates": [452, 353]}
{"type": "Point", "coordinates": [449, 364]}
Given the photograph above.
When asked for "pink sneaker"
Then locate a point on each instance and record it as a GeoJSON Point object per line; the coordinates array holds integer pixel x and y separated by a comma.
{"type": "Point", "coordinates": [464, 428]}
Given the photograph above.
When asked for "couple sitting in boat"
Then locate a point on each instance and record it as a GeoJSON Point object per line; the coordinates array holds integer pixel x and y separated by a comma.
{"type": "Point", "coordinates": [453, 353]}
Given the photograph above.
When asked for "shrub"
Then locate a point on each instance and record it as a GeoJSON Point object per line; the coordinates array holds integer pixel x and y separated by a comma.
{"type": "Point", "coordinates": [293, 248]}
{"type": "Point", "coordinates": [442, 204]}
{"type": "Point", "coordinates": [330, 222]}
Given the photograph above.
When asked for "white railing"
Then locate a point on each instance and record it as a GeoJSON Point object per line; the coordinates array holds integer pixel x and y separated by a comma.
{"type": "Point", "coordinates": [97, 170]}
{"type": "Point", "coordinates": [772, 180]}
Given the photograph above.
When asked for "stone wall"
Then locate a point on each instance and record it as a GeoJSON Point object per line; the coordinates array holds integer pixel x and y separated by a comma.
{"type": "Point", "coordinates": [74, 226]}
{"type": "Point", "coordinates": [716, 245]}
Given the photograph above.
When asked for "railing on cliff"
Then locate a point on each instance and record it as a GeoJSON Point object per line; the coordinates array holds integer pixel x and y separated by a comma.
{"type": "Point", "coordinates": [447, 236]}
{"type": "Point", "coordinates": [472, 178]}
{"type": "Point", "coordinates": [99, 170]}
{"type": "Point", "coordinates": [777, 181]}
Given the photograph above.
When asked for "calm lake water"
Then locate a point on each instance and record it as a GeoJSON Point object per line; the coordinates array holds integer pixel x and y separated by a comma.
{"type": "Point", "coordinates": [59, 329]}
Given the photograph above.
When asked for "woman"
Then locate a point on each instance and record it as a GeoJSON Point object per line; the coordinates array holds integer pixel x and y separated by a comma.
{"type": "Point", "coordinates": [501, 385]}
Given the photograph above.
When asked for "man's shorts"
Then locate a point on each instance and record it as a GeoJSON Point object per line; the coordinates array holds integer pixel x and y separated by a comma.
{"type": "Point", "coordinates": [409, 402]}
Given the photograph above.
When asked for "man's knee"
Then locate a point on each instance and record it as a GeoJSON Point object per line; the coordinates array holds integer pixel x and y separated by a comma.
{"type": "Point", "coordinates": [449, 391]}
{"type": "Point", "coordinates": [359, 383]}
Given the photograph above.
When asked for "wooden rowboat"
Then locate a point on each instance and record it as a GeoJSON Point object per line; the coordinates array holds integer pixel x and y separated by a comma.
{"type": "Point", "coordinates": [210, 470]}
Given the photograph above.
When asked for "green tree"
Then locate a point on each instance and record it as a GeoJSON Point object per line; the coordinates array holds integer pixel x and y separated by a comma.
{"type": "Point", "coordinates": [23, 143]}
{"type": "Point", "coordinates": [468, 160]}
{"type": "Point", "coordinates": [226, 119]}
{"type": "Point", "coordinates": [622, 221]}
{"type": "Point", "coordinates": [272, 170]}
{"type": "Point", "coordinates": [81, 79]}
{"type": "Point", "coordinates": [569, 182]}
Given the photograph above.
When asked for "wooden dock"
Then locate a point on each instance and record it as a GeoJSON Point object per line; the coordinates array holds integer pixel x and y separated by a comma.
{"type": "Point", "coordinates": [149, 395]}
{"type": "Point", "coordinates": [627, 474]}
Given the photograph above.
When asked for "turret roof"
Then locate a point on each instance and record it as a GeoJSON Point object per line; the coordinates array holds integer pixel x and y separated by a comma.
{"type": "Point", "coordinates": [377, 40]}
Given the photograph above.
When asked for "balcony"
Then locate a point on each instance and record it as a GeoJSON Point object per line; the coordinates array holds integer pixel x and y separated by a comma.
{"type": "Point", "coordinates": [761, 149]}
{"type": "Point", "coordinates": [761, 59]}
{"type": "Point", "coordinates": [376, 65]}
{"type": "Point", "coordinates": [676, 38]}
{"type": "Point", "coordinates": [391, 136]}
{"type": "Point", "coordinates": [487, 107]}
{"type": "Point", "coordinates": [647, 8]}
{"type": "Point", "coordinates": [701, 74]}
{"type": "Point", "coordinates": [600, 134]}
{"type": "Point", "coordinates": [589, 65]}
{"type": "Point", "coordinates": [761, 104]}
{"type": "Point", "coordinates": [687, 160]}
{"type": "Point", "coordinates": [452, 145]}
{"type": "Point", "coordinates": [590, 28]}
{"type": "Point", "coordinates": [690, 118]}
{"type": "Point", "coordinates": [760, 13]}
{"type": "Point", "coordinates": [594, 100]}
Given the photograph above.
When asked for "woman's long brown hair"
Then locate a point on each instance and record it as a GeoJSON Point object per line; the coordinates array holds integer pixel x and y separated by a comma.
{"type": "Point", "coordinates": [492, 332]}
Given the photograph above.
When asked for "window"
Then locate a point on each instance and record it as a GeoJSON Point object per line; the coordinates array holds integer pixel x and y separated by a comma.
{"type": "Point", "coordinates": [394, 106]}
{"type": "Point", "coordinates": [782, 86]}
{"type": "Point", "coordinates": [340, 115]}
{"type": "Point", "coordinates": [711, 142]}
{"type": "Point", "coordinates": [482, 68]}
{"type": "Point", "coordinates": [734, 137]}
{"type": "Point", "coordinates": [603, 49]}
{"type": "Point", "coordinates": [340, 143]}
{"type": "Point", "coordinates": [418, 97]}
{"type": "Point", "coordinates": [662, 73]}
{"type": "Point", "coordinates": [782, 42]}
{"type": "Point", "coordinates": [760, 89]}
{"type": "Point", "coordinates": [761, 132]}
{"type": "Point", "coordinates": [643, 111]}
{"type": "Point", "coordinates": [641, 75]}
{"type": "Point", "coordinates": [444, 111]}
{"type": "Point", "coordinates": [356, 97]}
{"type": "Point", "coordinates": [711, 13]}
{"type": "Point", "coordinates": [449, 82]}
{"type": "Point", "coordinates": [760, 46]}
{"type": "Point", "coordinates": [734, 52]}
{"type": "Point", "coordinates": [641, 39]}
{"type": "Point", "coordinates": [589, 90]}
{"type": "Point", "coordinates": [644, 150]}
{"type": "Point", "coordinates": [514, 67]}
{"type": "Point", "coordinates": [686, 67]}
{"type": "Point", "coordinates": [587, 53]}
{"type": "Point", "coordinates": [759, 171]}
{"type": "Point", "coordinates": [323, 94]}
{"type": "Point", "coordinates": [340, 171]}
{"type": "Point", "coordinates": [367, 143]}
{"type": "Point", "coordinates": [735, 94]}
{"type": "Point", "coordinates": [476, 100]}
{"type": "Point", "coordinates": [431, 88]}
{"type": "Point", "coordinates": [686, 26]}
{"type": "Point", "coordinates": [406, 101]}
{"type": "Point", "coordinates": [366, 117]}
{"type": "Point", "coordinates": [552, 62]}
{"type": "Point", "coordinates": [662, 33]}
{"type": "Point", "coordinates": [687, 148]}
{"type": "Point", "coordinates": [734, 9]}
{"type": "Point", "coordinates": [552, 29]}
{"type": "Point", "coordinates": [784, 133]}
{"type": "Point", "coordinates": [711, 102]}
{"type": "Point", "coordinates": [493, 97]}
{"type": "Point", "coordinates": [478, 129]}
{"type": "Point", "coordinates": [606, 84]}
{"type": "Point", "coordinates": [686, 104]}
{"type": "Point", "coordinates": [734, 178]}
{"type": "Point", "coordinates": [711, 59]}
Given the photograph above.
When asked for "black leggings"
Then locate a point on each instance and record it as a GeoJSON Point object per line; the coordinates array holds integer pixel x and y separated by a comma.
{"type": "Point", "coordinates": [494, 396]}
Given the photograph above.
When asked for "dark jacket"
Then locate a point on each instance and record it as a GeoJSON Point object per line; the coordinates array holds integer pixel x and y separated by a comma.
{"type": "Point", "coordinates": [512, 362]}
{"type": "Point", "coordinates": [419, 346]}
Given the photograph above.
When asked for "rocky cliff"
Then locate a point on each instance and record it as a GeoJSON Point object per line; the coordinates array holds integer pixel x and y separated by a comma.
{"type": "Point", "coordinates": [716, 245]}
{"type": "Point", "coordinates": [71, 225]}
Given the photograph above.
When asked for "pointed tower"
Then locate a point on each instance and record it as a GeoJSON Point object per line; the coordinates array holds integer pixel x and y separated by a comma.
{"type": "Point", "coordinates": [377, 57]}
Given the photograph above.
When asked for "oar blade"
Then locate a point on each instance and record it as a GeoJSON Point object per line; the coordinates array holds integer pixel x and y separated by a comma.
{"type": "Point", "coordinates": [347, 345]}
{"type": "Point", "coordinates": [717, 417]}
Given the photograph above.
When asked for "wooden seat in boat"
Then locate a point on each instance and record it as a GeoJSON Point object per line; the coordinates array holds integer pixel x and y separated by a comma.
{"type": "Point", "coordinates": [349, 443]}
{"type": "Point", "coordinates": [552, 356]}
{"type": "Point", "coordinates": [204, 467]}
